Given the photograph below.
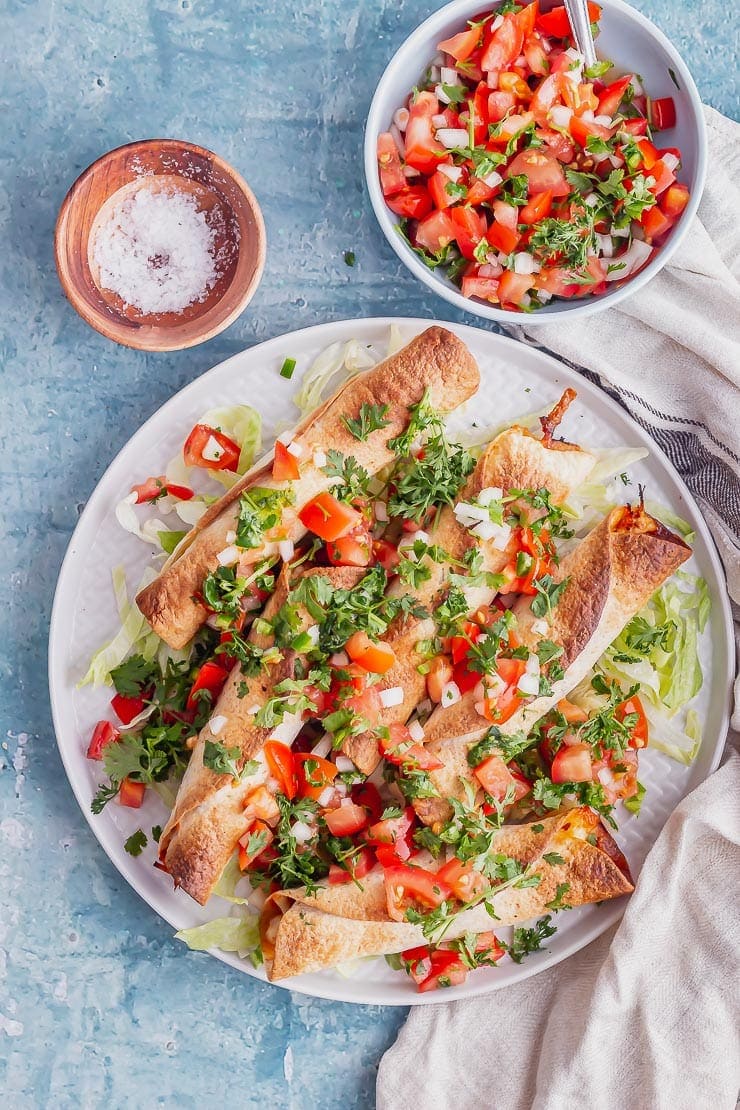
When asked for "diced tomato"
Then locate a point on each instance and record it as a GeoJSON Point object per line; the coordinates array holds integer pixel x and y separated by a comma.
{"type": "Point", "coordinates": [503, 707]}
{"type": "Point", "coordinates": [356, 867]}
{"type": "Point", "coordinates": [435, 232]}
{"type": "Point", "coordinates": [640, 733]}
{"type": "Point", "coordinates": [502, 46]}
{"type": "Point", "coordinates": [418, 962]}
{"type": "Point", "coordinates": [462, 878]}
{"type": "Point", "coordinates": [447, 970]}
{"type": "Point", "coordinates": [441, 198]}
{"type": "Point", "coordinates": [536, 56]}
{"type": "Point", "coordinates": [131, 793]}
{"type": "Point", "coordinates": [538, 208]}
{"type": "Point", "coordinates": [422, 149]}
{"type": "Point", "coordinates": [465, 679]}
{"type": "Point", "coordinates": [222, 453]}
{"type": "Point", "coordinates": [266, 837]}
{"type": "Point", "coordinates": [392, 177]}
{"type": "Point", "coordinates": [398, 748]}
{"type": "Point", "coordinates": [546, 94]}
{"type": "Point", "coordinates": [154, 488]}
{"type": "Point", "coordinates": [662, 113]}
{"type": "Point", "coordinates": [126, 708]}
{"type": "Point", "coordinates": [526, 17]}
{"type": "Point", "coordinates": [104, 733]}
{"type": "Point", "coordinates": [502, 238]}
{"type": "Point", "coordinates": [582, 129]}
{"type": "Point", "coordinates": [558, 143]}
{"type": "Point", "coordinates": [211, 678]}
{"type": "Point", "coordinates": [556, 24]}
{"type": "Point", "coordinates": [655, 224]}
{"type": "Point", "coordinates": [328, 518]}
{"type": "Point", "coordinates": [649, 154]}
{"type": "Point", "coordinates": [261, 804]}
{"type": "Point", "coordinates": [505, 214]}
{"type": "Point", "coordinates": [479, 119]}
{"type": "Point", "coordinates": [375, 657]}
{"type": "Point", "coordinates": [489, 943]}
{"type": "Point", "coordinates": [499, 103]}
{"type": "Point", "coordinates": [282, 766]}
{"type": "Point", "coordinates": [485, 288]}
{"type": "Point", "coordinates": [572, 764]}
{"type": "Point", "coordinates": [284, 466]}
{"type": "Point", "coordinates": [354, 550]}
{"type": "Point", "coordinates": [494, 776]}
{"type": "Point", "coordinates": [581, 98]}
{"type": "Point", "coordinates": [462, 45]}
{"type": "Point", "coordinates": [460, 645]}
{"type": "Point", "coordinates": [613, 95]}
{"type": "Point", "coordinates": [637, 126]}
{"type": "Point", "coordinates": [438, 675]}
{"type": "Point", "coordinates": [404, 883]}
{"type": "Point", "coordinates": [674, 200]}
{"type": "Point", "coordinates": [512, 287]}
{"type": "Point", "coordinates": [394, 831]}
{"type": "Point", "coordinates": [313, 773]}
{"type": "Point", "coordinates": [411, 203]}
{"type": "Point", "coordinates": [347, 819]}
{"type": "Point", "coordinates": [663, 177]}
{"type": "Point", "coordinates": [479, 192]}
{"type": "Point", "coordinates": [366, 794]}
{"type": "Point", "coordinates": [572, 713]}
{"type": "Point", "coordinates": [387, 555]}
{"type": "Point", "coordinates": [542, 170]}
{"type": "Point", "coordinates": [522, 785]}
{"type": "Point", "coordinates": [470, 228]}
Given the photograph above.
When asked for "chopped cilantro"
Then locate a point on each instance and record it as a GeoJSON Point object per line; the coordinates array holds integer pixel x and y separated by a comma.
{"type": "Point", "coordinates": [525, 941]}
{"type": "Point", "coordinates": [371, 419]}
{"type": "Point", "coordinates": [136, 843]}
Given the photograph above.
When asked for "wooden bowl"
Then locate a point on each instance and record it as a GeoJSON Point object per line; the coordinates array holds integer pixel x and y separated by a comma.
{"type": "Point", "coordinates": [230, 210]}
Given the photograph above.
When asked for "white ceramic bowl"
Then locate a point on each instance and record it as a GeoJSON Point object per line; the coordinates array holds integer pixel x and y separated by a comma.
{"type": "Point", "coordinates": [634, 45]}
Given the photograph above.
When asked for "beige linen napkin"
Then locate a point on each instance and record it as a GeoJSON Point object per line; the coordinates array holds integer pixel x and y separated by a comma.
{"type": "Point", "coordinates": [647, 1017]}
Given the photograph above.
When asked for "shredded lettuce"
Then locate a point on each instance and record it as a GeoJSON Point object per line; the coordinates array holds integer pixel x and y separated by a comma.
{"type": "Point", "coordinates": [230, 934]}
{"type": "Point", "coordinates": [243, 424]}
{"type": "Point", "coordinates": [395, 340]}
{"type": "Point", "coordinates": [148, 530]}
{"type": "Point", "coordinates": [134, 633]}
{"type": "Point", "coordinates": [349, 358]}
{"type": "Point", "coordinates": [167, 790]}
{"type": "Point", "coordinates": [671, 520]}
{"type": "Point", "coordinates": [226, 886]}
{"type": "Point", "coordinates": [169, 540]}
{"type": "Point", "coordinates": [614, 460]}
{"type": "Point", "coordinates": [669, 738]}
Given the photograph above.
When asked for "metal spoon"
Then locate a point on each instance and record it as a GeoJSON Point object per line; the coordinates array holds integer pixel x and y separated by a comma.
{"type": "Point", "coordinates": [581, 27]}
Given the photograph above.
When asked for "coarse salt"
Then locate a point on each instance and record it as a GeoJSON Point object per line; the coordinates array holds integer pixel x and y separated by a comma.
{"type": "Point", "coordinates": [157, 251]}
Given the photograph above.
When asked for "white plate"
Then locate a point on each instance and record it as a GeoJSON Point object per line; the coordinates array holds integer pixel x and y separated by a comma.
{"type": "Point", "coordinates": [515, 380]}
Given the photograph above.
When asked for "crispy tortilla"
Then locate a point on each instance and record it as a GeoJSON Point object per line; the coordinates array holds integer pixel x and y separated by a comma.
{"type": "Point", "coordinates": [611, 574]}
{"type": "Point", "coordinates": [436, 361]}
{"type": "Point", "coordinates": [208, 818]}
{"type": "Point", "coordinates": [515, 459]}
{"type": "Point", "coordinates": [309, 937]}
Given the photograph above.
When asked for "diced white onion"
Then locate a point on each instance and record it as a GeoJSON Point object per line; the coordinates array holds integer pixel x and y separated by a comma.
{"type": "Point", "coordinates": [605, 776]}
{"type": "Point", "coordinates": [601, 157]}
{"type": "Point", "coordinates": [492, 179]}
{"type": "Point", "coordinates": [341, 788]}
{"type": "Point", "coordinates": [285, 437]}
{"type": "Point", "coordinates": [339, 659]}
{"type": "Point", "coordinates": [392, 696]}
{"type": "Point", "coordinates": [540, 627]}
{"type": "Point", "coordinates": [532, 666]}
{"type": "Point", "coordinates": [588, 116]}
{"type": "Point", "coordinates": [671, 161]}
{"type": "Point", "coordinates": [633, 258]}
{"type": "Point", "coordinates": [302, 832]}
{"type": "Point", "coordinates": [216, 724]}
{"type": "Point", "coordinates": [228, 556]}
{"type": "Point", "coordinates": [605, 121]}
{"type": "Point", "coordinates": [497, 22]}
{"type": "Point", "coordinates": [288, 729]}
{"type": "Point", "coordinates": [491, 269]}
{"type": "Point", "coordinates": [325, 796]}
{"type": "Point", "coordinates": [471, 511]}
{"type": "Point", "coordinates": [497, 534]}
{"type": "Point", "coordinates": [258, 897]}
{"type": "Point", "coordinates": [344, 765]}
{"type": "Point", "coordinates": [313, 634]}
{"type": "Point", "coordinates": [525, 301]}
{"type": "Point", "coordinates": [231, 536]}
{"type": "Point", "coordinates": [591, 200]}
{"type": "Point", "coordinates": [401, 118]}
{"type": "Point", "coordinates": [489, 494]}
{"type": "Point", "coordinates": [399, 140]}
{"type": "Point", "coordinates": [450, 694]}
{"type": "Point", "coordinates": [251, 603]}
{"type": "Point", "coordinates": [529, 684]}
{"type": "Point", "coordinates": [621, 232]}
{"type": "Point", "coordinates": [408, 539]}
{"type": "Point", "coordinates": [319, 458]}
{"type": "Point", "coordinates": [616, 161]}
{"type": "Point", "coordinates": [439, 121]}
{"type": "Point", "coordinates": [452, 136]}
{"type": "Point", "coordinates": [492, 79]}
{"type": "Point", "coordinates": [605, 245]}
{"type": "Point", "coordinates": [294, 449]}
{"type": "Point", "coordinates": [381, 511]}
{"type": "Point", "coordinates": [525, 264]}
{"type": "Point", "coordinates": [480, 708]}
{"type": "Point", "coordinates": [416, 732]}
{"type": "Point", "coordinates": [449, 76]}
{"type": "Point", "coordinates": [286, 550]}
{"type": "Point", "coordinates": [322, 747]}
{"type": "Point", "coordinates": [544, 295]}
{"type": "Point", "coordinates": [560, 115]}
{"type": "Point", "coordinates": [212, 450]}
{"type": "Point", "coordinates": [453, 172]}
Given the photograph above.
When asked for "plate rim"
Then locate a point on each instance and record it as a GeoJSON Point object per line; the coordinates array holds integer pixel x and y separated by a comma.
{"type": "Point", "coordinates": [609, 914]}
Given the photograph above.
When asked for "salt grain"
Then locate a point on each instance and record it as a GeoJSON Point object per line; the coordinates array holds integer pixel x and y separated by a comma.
{"type": "Point", "coordinates": [156, 251]}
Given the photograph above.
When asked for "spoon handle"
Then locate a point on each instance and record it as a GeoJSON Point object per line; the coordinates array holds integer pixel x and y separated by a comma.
{"type": "Point", "coordinates": [578, 15]}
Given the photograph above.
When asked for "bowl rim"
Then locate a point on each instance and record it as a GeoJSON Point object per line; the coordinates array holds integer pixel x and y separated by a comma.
{"type": "Point", "coordinates": [136, 340]}
{"type": "Point", "coordinates": [549, 313]}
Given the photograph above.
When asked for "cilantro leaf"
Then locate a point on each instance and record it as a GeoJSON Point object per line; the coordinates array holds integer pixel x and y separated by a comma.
{"type": "Point", "coordinates": [525, 941]}
{"type": "Point", "coordinates": [132, 676]}
{"type": "Point", "coordinates": [371, 419]}
{"type": "Point", "coordinates": [136, 843]}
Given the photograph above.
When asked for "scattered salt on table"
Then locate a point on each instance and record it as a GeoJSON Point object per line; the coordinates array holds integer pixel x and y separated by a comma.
{"type": "Point", "coordinates": [156, 251]}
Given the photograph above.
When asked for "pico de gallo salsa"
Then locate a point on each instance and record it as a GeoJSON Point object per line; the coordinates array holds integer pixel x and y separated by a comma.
{"type": "Point", "coordinates": [521, 173]}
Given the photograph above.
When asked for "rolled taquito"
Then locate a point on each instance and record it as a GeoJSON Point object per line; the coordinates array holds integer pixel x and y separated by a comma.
{"type": "Point", "coordinates": [514, 460]}
{"type": "Point", "coordinates": [583, 864]}
{"type": "Point", "coordinates": [611, 575]}
{"type": "Point", "coordinates": [436, 361]}
{"type": "Point", "coordinates": [208, 818]}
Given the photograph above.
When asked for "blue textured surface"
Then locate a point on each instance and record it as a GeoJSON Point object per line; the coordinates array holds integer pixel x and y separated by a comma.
{"type": "Point", "coordinates": [98, 1005]}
